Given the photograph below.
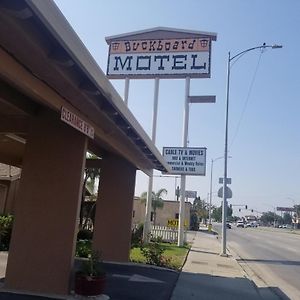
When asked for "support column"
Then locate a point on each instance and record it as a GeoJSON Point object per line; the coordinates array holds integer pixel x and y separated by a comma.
{"type": "Point", "coordinates": [43, 241]}
{"type": "Point", "coordinates": [112, 231]}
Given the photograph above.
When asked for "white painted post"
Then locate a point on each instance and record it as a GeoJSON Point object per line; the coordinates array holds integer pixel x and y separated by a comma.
{"type": "Point", "coordinates": [126, 91]}
{"type": "Point", "coordinates": [183, 177]}
{"type": "Point", "coordinates": [150, 184]}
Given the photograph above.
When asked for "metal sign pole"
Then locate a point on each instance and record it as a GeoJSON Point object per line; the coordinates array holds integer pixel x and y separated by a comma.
{"type": "Point", "coordinates": [183, 177]}
{"type": "Point", "coordinates": [147, 224]}
{"type": "Point", "coordinates": [224, 204]}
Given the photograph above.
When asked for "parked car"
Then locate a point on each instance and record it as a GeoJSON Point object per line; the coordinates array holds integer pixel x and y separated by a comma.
{"type": "Point", "coordinates": [288, 226]}
{"type": "Point", "coordinates": [247, 225]}
{"type": "Point", "coordinates": [240, 224]}
{"type": "Point", "coordinates": [228, 225]}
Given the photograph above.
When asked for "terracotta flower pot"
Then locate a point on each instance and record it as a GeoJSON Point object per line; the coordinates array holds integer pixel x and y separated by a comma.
{"type": "Point", "coordinates": [89, 286]}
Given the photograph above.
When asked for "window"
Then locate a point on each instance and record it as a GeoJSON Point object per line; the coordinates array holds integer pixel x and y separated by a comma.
{"type": "Point", "coordinates": [177, 216]}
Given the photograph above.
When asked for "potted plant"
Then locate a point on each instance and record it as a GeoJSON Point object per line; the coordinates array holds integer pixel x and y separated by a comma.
{"type": "Point", "coordinates": [91, 278]}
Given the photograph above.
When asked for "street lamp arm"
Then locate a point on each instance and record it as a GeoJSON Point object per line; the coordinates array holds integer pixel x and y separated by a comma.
{"type": "Point", "coordinates": [263, 46]}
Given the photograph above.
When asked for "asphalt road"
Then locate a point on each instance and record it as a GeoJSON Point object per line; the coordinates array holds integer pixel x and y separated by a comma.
{"type": "Point", "coordinates": [273, 255]}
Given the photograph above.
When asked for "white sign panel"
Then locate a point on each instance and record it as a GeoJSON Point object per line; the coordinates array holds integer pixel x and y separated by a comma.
{"type": "Point", "coordinates": [228, 180]}
{"type": "Point", "coordinates": [76, 122]}
{"type": "Point", "coordinates": [191, 194]}
{"type": "Point", "coordinates": [186, 161]}
{"type": "Point", "coordinates": [168, 58]}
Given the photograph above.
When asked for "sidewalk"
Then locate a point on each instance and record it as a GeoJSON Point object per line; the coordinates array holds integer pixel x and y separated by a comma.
{"type": "Point", "coordinates": [207, 275]}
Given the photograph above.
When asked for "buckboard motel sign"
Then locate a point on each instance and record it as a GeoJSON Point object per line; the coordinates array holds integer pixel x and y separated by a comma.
{"type": "Point", "coordinates": [170, 58]}
{"type": "Point", "coordinates": [185, 161]}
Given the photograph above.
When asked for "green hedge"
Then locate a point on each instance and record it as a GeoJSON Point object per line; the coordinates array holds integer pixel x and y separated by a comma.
{"type": "Point", "coordinates": [6, 224]}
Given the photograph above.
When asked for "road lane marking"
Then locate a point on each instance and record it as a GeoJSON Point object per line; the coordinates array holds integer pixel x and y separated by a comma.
{"type": "Point", "coordinates": [138, 278]}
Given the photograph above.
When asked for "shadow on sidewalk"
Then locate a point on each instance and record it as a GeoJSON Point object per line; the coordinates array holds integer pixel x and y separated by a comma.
{"type": "Point", "coordinates": [204, 251]}
{"type": "Point", "coordinates": [204, 286]}
{"type": "Point", "coordinates": [271, 261]}
{"type": "Point", "coordinates": [124, 282]}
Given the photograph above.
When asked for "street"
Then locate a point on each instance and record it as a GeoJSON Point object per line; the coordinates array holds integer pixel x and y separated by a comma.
{"type": "Point", "coordinates": [270, 256]}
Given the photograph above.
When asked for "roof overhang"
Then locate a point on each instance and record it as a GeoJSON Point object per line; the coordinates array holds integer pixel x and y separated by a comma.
{"type": "Point", "coordinates": [55, 69]}
{"type": "Point", "coordinates": [161, 33]}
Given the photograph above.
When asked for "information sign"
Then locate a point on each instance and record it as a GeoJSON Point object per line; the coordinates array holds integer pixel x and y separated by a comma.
{"type": "Point", "coordinates": [167, 58]}
{"type": "Point", "coordinates": [175, 222]}
{"type": "Point", "coordinates": [76, 122]}
{"type": "Point", "coordinates": [186, 161]}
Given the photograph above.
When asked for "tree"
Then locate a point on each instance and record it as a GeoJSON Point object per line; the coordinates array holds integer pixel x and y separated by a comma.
{"type": "Point", "coordinates": [297, 207]}
{"type": "Point", "coordinates": [287, 218]}
{"type": "Point", "coordinates": [297, 210]}
{"type": "Point", "coordinates": [200, 208]}
{"type": "Point", "coordinates": [234, 218]}
{"type": "Point", "coordinates": [217, 213]}
{"type": "Point", "coordinates": [269, 218]}
{"type": "Point", "coordinates": [194, 222]}
{"type": "Point", "coordinates": [297, 214]}
{"type": "Point", "coordinates": [90, 176]}
{"type": "Point", "coordinates": [157, 201]}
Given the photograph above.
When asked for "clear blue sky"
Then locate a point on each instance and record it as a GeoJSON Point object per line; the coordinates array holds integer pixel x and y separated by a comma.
{"type": "Point", "coordinates": [264, 121]}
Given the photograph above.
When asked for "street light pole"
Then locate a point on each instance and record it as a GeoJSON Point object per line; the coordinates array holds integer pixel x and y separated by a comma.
{"type": "Point", "coordinates": [210, 194]}
{"type": "Point", "coordinates": [224, 204]}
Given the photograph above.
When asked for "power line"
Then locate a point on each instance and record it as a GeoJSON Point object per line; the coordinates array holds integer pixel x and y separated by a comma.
{"type": "Point", "coordinates": [247, 100]}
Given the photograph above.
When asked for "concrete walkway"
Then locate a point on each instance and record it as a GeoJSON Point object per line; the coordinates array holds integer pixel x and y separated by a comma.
{"type": "Point", "coordinates": [207, 275]}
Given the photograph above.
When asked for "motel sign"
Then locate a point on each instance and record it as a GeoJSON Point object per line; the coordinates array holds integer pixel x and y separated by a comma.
{"type": "Point", "coordinates": [160, 52]}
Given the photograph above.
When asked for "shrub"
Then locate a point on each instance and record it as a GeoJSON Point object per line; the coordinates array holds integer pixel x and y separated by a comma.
{"type": "Point", "coordinates": [137, 236]}
{"type": "Point", "coordinates": [83, 248]}
{"type": "Point", "coordinates": [153, 253]}
{"type": "Point", "coordinates": [6, 224]}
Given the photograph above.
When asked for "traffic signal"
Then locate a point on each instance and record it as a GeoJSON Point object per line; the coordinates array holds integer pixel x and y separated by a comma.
{"type": "Point", "coordinates": [230, 205]}
{"type": "Point", "coordinates": [246, 206]}
{"type": "Point", "coordinates": [251, 210]}
{"type": "Point", "coordinates": [239, 209]}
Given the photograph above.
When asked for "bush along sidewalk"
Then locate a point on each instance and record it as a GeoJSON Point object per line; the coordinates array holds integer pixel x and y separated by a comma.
{"type": "Point", "coordinates": [160, 254]}
{"type": "Point", "coordinates": [156, 252]}
{"type": "Point", "coordinates": [153, 253]}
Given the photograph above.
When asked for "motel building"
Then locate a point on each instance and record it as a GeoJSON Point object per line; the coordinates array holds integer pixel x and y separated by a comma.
{"type": "Point", "coordinates": [166, 216]}
{"type": "Point", "coordinates": [56, 104]}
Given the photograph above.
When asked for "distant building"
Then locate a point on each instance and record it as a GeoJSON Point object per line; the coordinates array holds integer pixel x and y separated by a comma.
{"type": "Point", "coordinates": [170, 211]}
{"type": "Point", "coordinates": [250, 218]}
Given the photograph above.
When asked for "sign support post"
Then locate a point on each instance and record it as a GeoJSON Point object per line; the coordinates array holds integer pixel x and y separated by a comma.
{"type": "Point", "coordinates": [183, 177]}
{"type": "Point", "coordinates": [163, 52]}
{"type": "Point", "coordinates": [147, 224]}
{"type": "Point", "coordinates": [126, 91]}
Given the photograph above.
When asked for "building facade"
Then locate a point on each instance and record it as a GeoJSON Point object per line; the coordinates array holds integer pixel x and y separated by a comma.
{"type": "Point", "coordinates": [169, 211]}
